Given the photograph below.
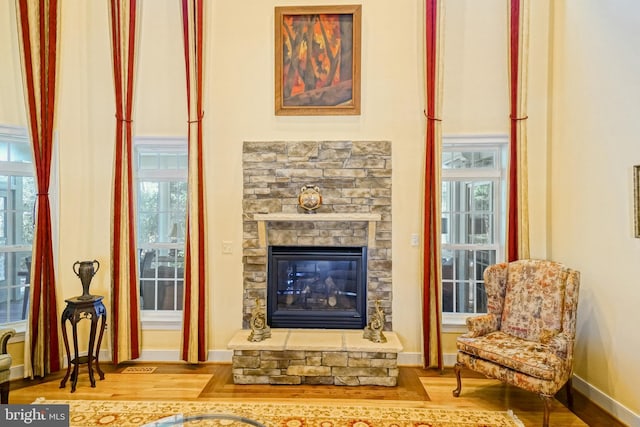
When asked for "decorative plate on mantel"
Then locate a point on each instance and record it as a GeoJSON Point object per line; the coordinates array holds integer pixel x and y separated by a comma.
{"type": "Point", "coordinates": [310, 198]}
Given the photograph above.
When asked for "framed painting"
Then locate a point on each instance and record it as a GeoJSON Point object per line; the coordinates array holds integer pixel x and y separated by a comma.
{"type": "Point", "coordinates": [317, 60]}
{"type": "Point", "coordinates": [636, 200]}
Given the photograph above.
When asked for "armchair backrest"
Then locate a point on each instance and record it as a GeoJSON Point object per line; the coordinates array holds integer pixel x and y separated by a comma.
{"type": "Point", "coordinates": [533, 299]}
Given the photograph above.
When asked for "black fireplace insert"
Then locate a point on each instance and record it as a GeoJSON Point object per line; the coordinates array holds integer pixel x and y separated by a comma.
{"type": "Point", "coordinates": [317, 287]}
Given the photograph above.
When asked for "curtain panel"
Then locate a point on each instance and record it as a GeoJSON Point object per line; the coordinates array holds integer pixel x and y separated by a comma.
{"type": "Point", "coordinates": [517, 209]}
{"type": "Point", "coordinates": [431, 306]}
{"type": "Point", "coordinates": [39, 38]}
{"type": "Point", "coordinates": [194, 332]}
{"type": "Point", "coordinates": [125, 318]}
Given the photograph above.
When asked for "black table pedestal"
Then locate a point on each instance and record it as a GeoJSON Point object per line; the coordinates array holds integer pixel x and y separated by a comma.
{"type": "Point", "coordinates": [79, 308]}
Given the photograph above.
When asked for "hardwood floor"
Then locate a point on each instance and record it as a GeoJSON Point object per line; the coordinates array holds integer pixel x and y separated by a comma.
{"type": "Point", "coordinates": [416, 387]}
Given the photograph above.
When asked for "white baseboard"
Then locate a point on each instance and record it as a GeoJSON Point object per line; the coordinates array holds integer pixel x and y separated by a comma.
{"type": "Point", "coordinates": [409, 359]}
{"type": "Point", "coordinates": [220, 356]}
{"type": "Point", "coordinates": [216, 356]}
{"type": "Point", "coordinates": [615, 408]}
{"type": "Point", "coordinates": [449, 359]}
{"type": "Point", "coordinates": [16, 372]}
{"type": "Point", "coordinates": [415, 359]}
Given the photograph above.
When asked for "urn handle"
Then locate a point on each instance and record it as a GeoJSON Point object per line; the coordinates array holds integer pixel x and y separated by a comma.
{"type": "Point", "coordinates": [95, 264]}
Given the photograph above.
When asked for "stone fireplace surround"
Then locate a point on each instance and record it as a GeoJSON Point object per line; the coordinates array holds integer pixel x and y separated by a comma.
{"type": "Point", "coordinates": [354, 178]}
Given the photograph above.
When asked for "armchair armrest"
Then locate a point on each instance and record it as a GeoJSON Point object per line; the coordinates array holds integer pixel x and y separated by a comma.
{"type": "Point", "coordinates": [481, 325]}
{"type": "Point", "coordinates": [5, 335]}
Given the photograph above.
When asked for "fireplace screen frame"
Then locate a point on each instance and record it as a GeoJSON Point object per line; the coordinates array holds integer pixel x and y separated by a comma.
{"type": "Point", "coordinates": [278, 317]}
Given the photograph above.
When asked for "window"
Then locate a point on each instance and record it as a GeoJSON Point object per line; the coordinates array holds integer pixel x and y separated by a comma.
{"type": "Point", "coordinates": [161, 178]}
{"type": "Point", "coordinates": [473, 221]}
{"type": "Point", "coordinates": [17, 199]}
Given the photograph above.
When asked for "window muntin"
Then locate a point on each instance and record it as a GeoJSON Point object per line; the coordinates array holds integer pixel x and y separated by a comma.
{"type": "Point", "coordinates": [161, 195]}
{"type": "Point", "coordinates": [17, 200]}
{"type": "Point", "coordinates": [473, 221]}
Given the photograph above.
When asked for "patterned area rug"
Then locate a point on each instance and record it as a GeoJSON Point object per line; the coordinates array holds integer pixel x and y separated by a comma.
{"type": "Point", "coordinates": [87, 413]}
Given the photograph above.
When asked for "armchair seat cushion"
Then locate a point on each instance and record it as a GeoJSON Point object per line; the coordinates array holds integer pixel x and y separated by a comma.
{"type": "Point", "coordinates": [528, 357]}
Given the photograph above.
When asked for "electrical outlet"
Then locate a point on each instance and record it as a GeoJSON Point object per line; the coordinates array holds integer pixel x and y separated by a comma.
{"type": "Point", "coordinates": [415, 239]}
{"type": "Point", "coordinates": [227, 246]}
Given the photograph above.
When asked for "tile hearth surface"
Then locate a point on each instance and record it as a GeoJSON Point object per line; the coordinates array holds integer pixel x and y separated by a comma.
{"type": "Point", "coordinates": [316, 340]}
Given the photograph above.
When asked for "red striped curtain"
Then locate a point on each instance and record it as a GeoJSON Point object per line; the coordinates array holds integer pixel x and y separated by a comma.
{"type": "Point", "coordinates": [39, 31]}
{"type": "Point", "coordinates": [431, 307]}
{"type": "Point", "coordinates": [125, 313]}
{"type": "Point", "coordinates": [517, 210]}
{"type": "Point", "coordinates": [194, 332]}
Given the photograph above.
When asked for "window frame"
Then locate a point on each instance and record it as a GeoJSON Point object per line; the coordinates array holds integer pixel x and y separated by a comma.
{"type": "Point", "coordinates": [158, 319]}
{"type": "Point", "coordinates": [456, 322]}
{"type": "Point", "coordinates": [20, 134]}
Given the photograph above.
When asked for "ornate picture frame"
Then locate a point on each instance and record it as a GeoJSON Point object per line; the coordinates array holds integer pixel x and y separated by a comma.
{"type": "Point", "coordinates": [323, 79]}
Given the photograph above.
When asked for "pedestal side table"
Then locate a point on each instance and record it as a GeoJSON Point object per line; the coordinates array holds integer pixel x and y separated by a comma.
{"type": "Point", "coordinates": [78, 308]}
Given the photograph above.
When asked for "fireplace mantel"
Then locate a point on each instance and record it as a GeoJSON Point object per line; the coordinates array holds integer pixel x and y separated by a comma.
{"type": "Point", "coordinates": [262, 219]}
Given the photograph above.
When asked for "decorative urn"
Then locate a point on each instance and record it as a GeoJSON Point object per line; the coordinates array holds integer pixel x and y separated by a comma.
{"type": "Point", "coordinates": [310, 198]}
{"type": "Point", "coordinates": [85, 270]}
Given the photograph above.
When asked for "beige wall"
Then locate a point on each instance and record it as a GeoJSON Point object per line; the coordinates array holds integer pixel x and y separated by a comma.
{"type": "Point", "coordinates": [11, 105]}
{"type": "Point", "coordinates": [594, 146]}
{"type": "Point", "coordinates": [240, 107]}
{"type": "Point", "coordinates": [580, 189]}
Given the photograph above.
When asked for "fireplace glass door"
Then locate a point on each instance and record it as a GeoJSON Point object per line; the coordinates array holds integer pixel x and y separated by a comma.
{"type": "Point", "coordinates": [317, 287]}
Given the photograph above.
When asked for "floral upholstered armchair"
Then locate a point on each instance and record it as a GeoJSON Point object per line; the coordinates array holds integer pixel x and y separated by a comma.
{"type": "Point", "coordinates": [527, 337]}
{"type": "Point", "coordinates": [5, 364]}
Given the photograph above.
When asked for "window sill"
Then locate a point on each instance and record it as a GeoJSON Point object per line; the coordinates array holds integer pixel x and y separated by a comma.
{"type": "Point", "coordinates": [150, 321]}
{"type": "Point", "coordinates": [455, 323]}
{"type": "Point", "coordinates": [158, 320]}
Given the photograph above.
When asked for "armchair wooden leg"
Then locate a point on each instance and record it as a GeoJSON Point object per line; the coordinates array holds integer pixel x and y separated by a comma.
{"type": "Point", "coordinates": [569, 387]}
{"type": "Point", "coordinates": [547, 408]}
{"type": "Point", "coordinates": [4, 393]}
{"type": "Point", "coordinates": [457, 367]}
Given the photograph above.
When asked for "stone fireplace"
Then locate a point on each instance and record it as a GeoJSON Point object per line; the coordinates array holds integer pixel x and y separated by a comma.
{"type": "Point", "coordinates": [354, 178]}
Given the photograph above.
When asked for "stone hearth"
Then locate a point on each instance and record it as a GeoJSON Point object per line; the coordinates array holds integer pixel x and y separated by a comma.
{"type": "Point", "coordinates": [304, 356]}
